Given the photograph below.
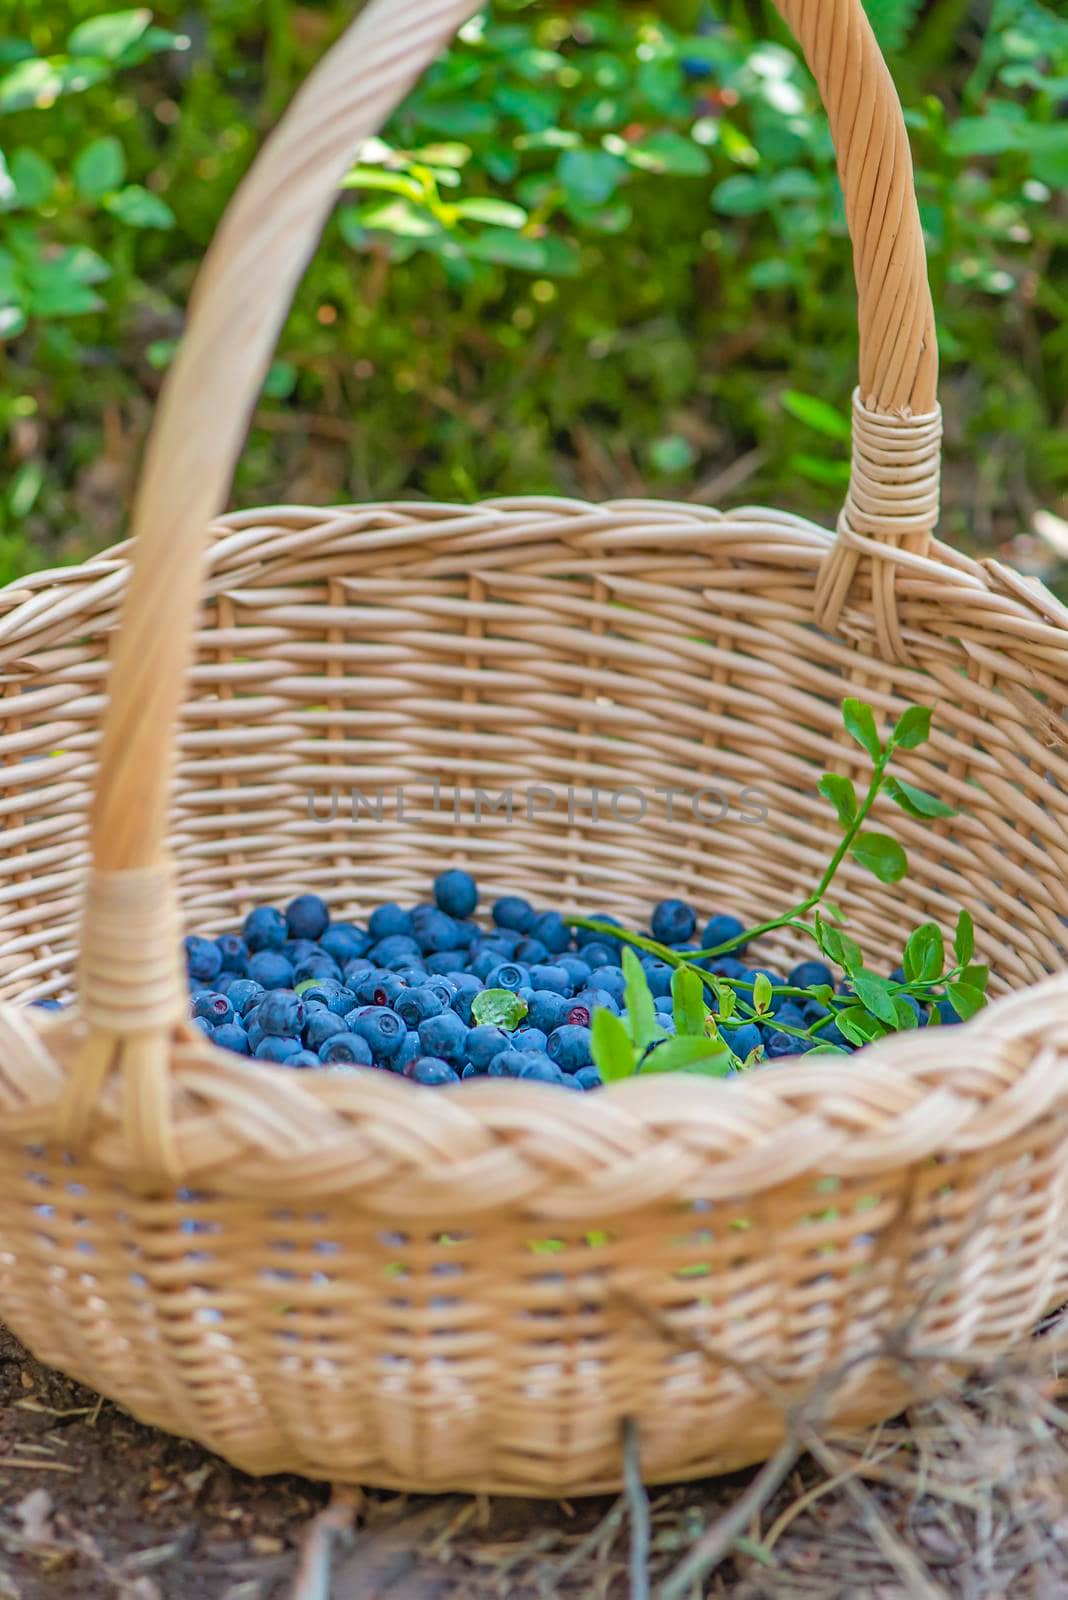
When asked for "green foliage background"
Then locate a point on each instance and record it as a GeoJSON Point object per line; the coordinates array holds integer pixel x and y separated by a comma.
{"type": "Point", "coordinates": [600, 251]}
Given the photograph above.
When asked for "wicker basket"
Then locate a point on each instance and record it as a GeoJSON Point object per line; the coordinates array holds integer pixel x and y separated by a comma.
{"type": "Point", "coordinates": [355, 1278]}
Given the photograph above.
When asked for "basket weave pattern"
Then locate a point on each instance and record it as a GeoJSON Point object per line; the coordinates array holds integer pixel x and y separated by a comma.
{"type": "Point", "coordinates": [349, 1276]}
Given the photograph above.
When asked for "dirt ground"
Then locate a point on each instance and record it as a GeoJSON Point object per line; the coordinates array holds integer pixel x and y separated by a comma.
{"type": "Point", "coordinates": [962, 1498]}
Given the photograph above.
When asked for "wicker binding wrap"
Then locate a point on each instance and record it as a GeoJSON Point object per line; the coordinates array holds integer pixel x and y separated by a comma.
{"type": "Point", "coordinates": [348, 1276]}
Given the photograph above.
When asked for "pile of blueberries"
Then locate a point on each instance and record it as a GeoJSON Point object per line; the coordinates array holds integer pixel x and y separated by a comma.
{"type": "Point", "coordinates": [296, 988]}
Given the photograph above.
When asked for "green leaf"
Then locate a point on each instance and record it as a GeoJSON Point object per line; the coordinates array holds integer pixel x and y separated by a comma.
{"type": "Point", "coordinates": [976, 977]}
{"type": "Point", "coordinates": [40, 84]}
{"type": "Point", "coordinates": [842, 795]}
{"type": "Point", "coordinates": [916, 802]}
{"type": "Point", "coordinates": [741, 196]}
{"type": "Point", "coordinates": [59, 285]}
{"type": "Point", "coordinates": [547, 257]}
{"type": "Point", "coordinates": [858, 1025]}
{"type": "Point", "coordinates": [882, 855]}
{"type": "Point", "coordinates": [110, 34]}
{"type": "Point", "coordinates": [906, 1017]}
{"type": "Point", "coordinates": [99, 168]}
{"type": "Point", "coordinates": [924, 959]}
{"type": "Point", "coordinates": [964, 939]}
{"type": "Point", "coordinates": [613, 1053]}
{"type": "Point", "coordinates": [965, 999]}
{"type": "Point", "coordinates": [399, 217]}
{"type": "Point", "coordinates": [838, 946]}
{"type": "Point", "coordinates": [668, 152]}
{"type": "Point", "coordinates": [859, 720]}
{"type": "Point", "coordinates": [498, 1008]}
{"type": "Point", "coordinates": [499, 213]}
{"type": "Point", "coordinates": [819, 470]}
{"type": "Point", "coordinates": [34, 178]}
{"type": "Point", "coordinates": [280, 381]}
{"type": "Point", "coordinates": [874, 994]}
{"type": "Point", "coordinates": [688, 996]}
{"type": "Point", "coordinates": [831, 908]}
{"type": "Point", "coordinates": [391, 182]}
{"type": "Point", "coordinates": [892, 20]}
{"type": "Point", "coordinates": [590, 176]}
{"type": "Point", "coordinates": [140, 208]}
{"type": "Point", "coordinates": [912, 728]}
{"type": "Point", "coordinates": [762, 992]}
{"type": "Point", "coordinates": [688, 1055]}
{"type": "Point", "coordinates": [457, 119]}
{"type": "Point", "coordinates": [641, 1009]}
{"type": "Point", "coordinates": [816, 413]}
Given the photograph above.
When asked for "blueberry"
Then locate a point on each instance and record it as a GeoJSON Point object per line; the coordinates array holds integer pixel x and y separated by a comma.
{"type": "Point", "coordinates": [813, 1011]}
{"type": "Point", "coordinates": [446, 961]}
{"type": "Point", "coordinates": [949, 1017]}
{"type": "Point", "coordinates": [538, 1067]}
{"type": "Point", "coordinates": [501, 1064]}
{"type": "Point", "coordinates": [434, 931]}
{"type": "Point", "coordinates": [316, 968]}
{"type": "Point", "coordinates": [347, 1048]}
{"type": "Point", "coordinates": [808, 974]}
{"type": "Point", "coordinates": [411, 977]}
{"type": "Point", "coordinates": [722, 929]}
{"type": "Point", "coordinates": [445, 1036]}
{"type": "Point", "coordinates": [550, 976]}
{"type": "Point", "coordinates": [742, 1040]}
{"type": "Point", "coordinates": [577, 969]}
{"type": "Point", "coordinates": [791, 1016]}
{"type": "Point", "coordinates": [304, 1058]}
{"type": "Point", "coordinates": [307, 917]}
{"type": "Point", "coordinates": [333, 995]}
{"type": "Point", "coordinates": [592, 999]}
{"type": "Point", "coordinates": [467, 986]}
{"type": "Point", "coordinates": [216, 1007]}
{"type": "Point", "coordinates": [321, 1026]}
{"type": "Point", "coordinates": [727, 967]}
{"type": "Point", "coordinates": [553, 932]}
{"type": "Point", "coordinates": [344, 942]}
{"type": "Point", "coordinates": [588, 1078]}
{"type": "Point", "coordinates": [918, 1011]}
{"type": "Point", "coordinates": [231, 1036]}
{"type": "Point", "coordinates": [393, 948]}
{"type": "Point", "coordinates": [507, 975]}
{"type": "Point", "coordinates": [484, 963]}
{"type": "Point", "coordinates": [898, 975]}
{"type": "Point", "coordinates": [234, 952]}
{"type": "Point", "coordinates": [387, 921]}
{"type": "Point", "coordinates": [514, 913]}
{"type": "Point", "coordinates": [223, 982]}
{"type": "Point", "coordinates": [665, 1005]}
{"type": "Point", "coordinates": [409, 1051]}
{"type": "Point", "coordinates": [611, 980]}
{"type": "Point", "coordinates": [777, 1045]}
{"type": "Point", "coordinates": [483, 1043]}
{"type": "Point", "coordinates": [441, 985]}
{"type": "Point", "coordinates": [255, 1032]}
{"type": "Point", "coordinates": [657, 975]}
{"type": "Point", "coordinates": [530, 1039]}
{"type": "Point", "coordinates": [275, 1047]}
{"type": "Point", "coordinates": [296, 950]}
{"type": "Point", "coordinates": [243, 994]}
{"type": "Point", "coordinates": [504, 940]}
{"type": "Point", "coordinates": [203, 958]}
{"type": "Point", "coordinates": [382, 1028]}
{"type": "Point", "coordinates": [378, 987]}
{"type": "Point", "coordinates": [281, 1012]}
{"type": "Point", "coordinates": [569, 1047]}
{"type": "Point", "coordinates": [531, 952]}
{"type": "Point", "coordinates": [584, 937]}
{"type": "Point", "coordinates": [456, 892]}
{"type": "Point", "coordinates": [415, 1005]}
{"type": "Point", "coordinates": [271, 968]}
{"type": "Point", "coordinates": [430, 1070]}
{"type": "Point", "coordinates": [204, 1026]}
{"type": "Point", "coordinates": [471, 1071]}
{"type": "Point", "coordinates": [673, 921]}
{"type": "Point", "coordinates": [776, 980]}
{"type": "Point", "coordinates": [48, 1005]}
{"type": "Point", "coordinates": [832, 1035]}
{"type": "Point", "coordinates": [355, 969]}
{"type": "Point", "coordinates": [568, 1080]}
{"type": "Point", "coordinates": [601, 955]}
{"type": "Point", "coordinates": [264, 929]}
{"type": "Point", "coordinates": [547, 1010]}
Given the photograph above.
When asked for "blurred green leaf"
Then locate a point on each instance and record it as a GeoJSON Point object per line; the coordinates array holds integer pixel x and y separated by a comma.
{"type": "Point", "coordinates": [139, 208]}
{"type": "Point", "coordinates": [99, 168]}
{"type": "Point", "coordinates": [590, 176]}
{"type": "Point", "coordinates": [34, 177]}
{"type": "Point", "coordinates": [109, 34]}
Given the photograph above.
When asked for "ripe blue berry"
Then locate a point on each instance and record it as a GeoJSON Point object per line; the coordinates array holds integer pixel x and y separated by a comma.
{"type": "Point", "coordinates": [467, 986]}
{"type": "Point", "coordinates": [333, 995]}
{"type": "Point", "coordinates": [949, 1017]}
{"type": "Point", "coordinates": [255, 1033]}
{"type": "Point", "coordinates": [271, 968]}
{"type": "Point", "coordinates": [399, 947]}
{"type": "Point", "coordinates": [577, 968]}
{"type": "Point", "coordinates": [588, 1078]}
{"type": "Point", "coordinates": [673, 921]}
{"type": "Point", "coordinates": [409, 1051]}
{"type": "Point", "coordinates": [531, 952]}
{"type": "Point", "coordinates": [658, 976]}
{"type": "Point", "coordinates": [728, 967]}
{"type": "Point", "coordinates": [215, 1007]}
{"type": "Point", "coordinates": [434, 931]}
{"type": "Point", "coordinates": [595, 1000]}
{"type": "Point", "coordinates": [317, 967]}
{"type": "Point", "coordinates": [203, 958]}
{"type": "Point", "coordinates": [569, 1047]}
{"type": "Point", "coordinates": [446, 961]}
{"type": "Point", "coordinates": [307, 917]}
{"type": "Point", "coordinates": [415, 1005]}
{"type": "Point", "coordinates": [347, 1049]}
{"type": "Point", "coordinates": [281, 1012]}
{"type": "Point", "coordinates": [611, 980]}
{"type": "Point", "coordinates": [430, 1070]}
{"type": "Point", "coordinates": [551, 929]}
{"type": "Point", "coordinates": [547, 1010]}
{"type": "Point", "coordinates": [231, 1036]}
{"type": "Point", "coordinates": [345, 942]}
{"type": "Point", "coordinates": [536, 1066]}
{"type": "Point", "coordinates": [456, 892]}
{"type": "Point", "coordinates": [597, 954]}
{"type": "Point", "coordinates": [382, 1028]}
{"type": "Point", "coordinates": [353, 970]}
{"type": "Point", "coordinates": [530, 1039]}
{"type": "Point", "coordinates": [588, 936]}
{"type": "Point", "coordinates": [320, 1026]}
{"type": "Point", "coordinates": [296, 950]}
{"type": "Point", "coordinates": [549, 975]}
{"type": "Point", "coordinates": [276, 1048]}
{"type": "Point", "coordinates": [507, 975]}
{"type": "Point", "coordinates": [807, 974]}
{"type": "Point", "coordinates": [304, 1058]}
{"type": "Point", "coordinates": [720, 930]}
{"type": "Point", "coordinates": [204, 1025]}
{"type": "Point", "coordinates": [484, 1043]}
{"type": "Point", "coordinates": [243, 994]}
{"type": "Point", "coordinates": [264, 929]}
{"type": "Point", "coordinates": [514, 913]}
{"type": "Point", "coordinates": [234, 952]}
{"type": "Point", "coordinates": [485, 962]}
{"type": "Point", "coordinates": [777, 1045]}
{"type": "Point", "coordinates": [742, 1040]}
{"type": "Point", "coordinates": [379, 988]}
{"type": "Point", "coordinates": [444, 1036]}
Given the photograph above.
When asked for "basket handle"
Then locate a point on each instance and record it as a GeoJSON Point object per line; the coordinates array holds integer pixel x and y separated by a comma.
{"type": "Point", "coordinates": [241, 297]}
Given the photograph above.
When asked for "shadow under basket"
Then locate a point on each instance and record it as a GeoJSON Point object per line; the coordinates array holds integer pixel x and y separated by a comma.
{"type": "Point", "coordinates": [348, 1276]}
